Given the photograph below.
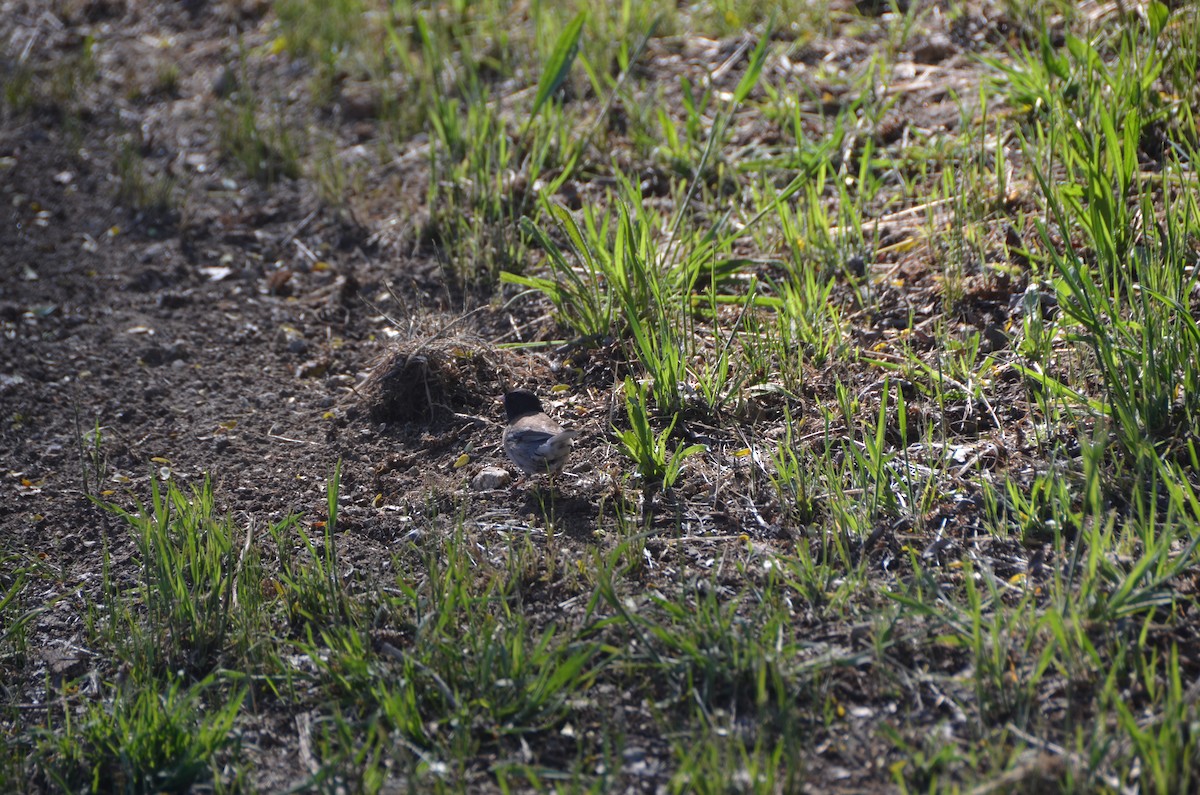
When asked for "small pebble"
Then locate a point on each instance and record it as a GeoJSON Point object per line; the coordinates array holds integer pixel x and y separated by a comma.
{"type": "Point", "coordinates": [490, 478]}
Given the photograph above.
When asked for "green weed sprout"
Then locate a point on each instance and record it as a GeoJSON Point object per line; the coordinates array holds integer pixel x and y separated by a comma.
{"type": "Point", "coordinates": [649, 451]}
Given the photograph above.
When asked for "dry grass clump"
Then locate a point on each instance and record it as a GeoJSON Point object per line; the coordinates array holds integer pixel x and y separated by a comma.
{"type": "Point", "coordinates": [415, 380]}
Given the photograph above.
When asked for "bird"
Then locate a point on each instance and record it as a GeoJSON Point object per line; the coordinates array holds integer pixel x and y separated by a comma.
{"type": "Point", "coordinates": [533, 441]}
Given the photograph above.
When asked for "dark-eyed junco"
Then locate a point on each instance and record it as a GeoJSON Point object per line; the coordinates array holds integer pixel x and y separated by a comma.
{"type": "Point", "coordinates": [533, 441]}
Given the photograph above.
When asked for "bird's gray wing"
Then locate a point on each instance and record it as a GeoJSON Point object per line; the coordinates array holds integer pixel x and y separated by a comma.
{"type": "Point", "coordinates": [529, 437]}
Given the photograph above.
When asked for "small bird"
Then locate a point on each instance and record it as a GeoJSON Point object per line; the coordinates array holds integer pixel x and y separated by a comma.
{"type": "Point", "coordinates": [533, 441]}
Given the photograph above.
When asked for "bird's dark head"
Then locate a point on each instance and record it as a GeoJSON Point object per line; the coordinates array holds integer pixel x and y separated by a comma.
{"type": "Point", "coordinates": [520, 402]}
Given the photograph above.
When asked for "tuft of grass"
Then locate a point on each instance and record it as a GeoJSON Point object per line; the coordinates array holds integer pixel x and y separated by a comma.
{"type": "Point", "coordinates": [266, 152]}
{"type": "Point", "coordinates": [19, 94]}
{"type": "Point", "coordinates": [189, 574]}
{"type": "Point", "coordinates": [326, 30]}
{"type": "Point", "coordinates": [15, 615]}
{"type": "Point", "coordinates": [1128, 297]}
{"type": "Point", "coordinates": [310, 583]}
{"type": "Point", "coordinates": [142, 737]}
{"type": "Point", "coordinates": [140, 191]}
{"type": "Point", "coordinates": [649, 450]}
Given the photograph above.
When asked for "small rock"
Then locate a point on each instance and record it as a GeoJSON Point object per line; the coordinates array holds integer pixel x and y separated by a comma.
{"type": "Point", "coordinates": [155, 252]}
{"type": "Point", "coordinates": [490, 478]}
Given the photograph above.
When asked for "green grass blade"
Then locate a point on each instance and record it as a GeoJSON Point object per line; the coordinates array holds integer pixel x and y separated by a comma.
{"type": "Point", "coordinates": [559, 64]}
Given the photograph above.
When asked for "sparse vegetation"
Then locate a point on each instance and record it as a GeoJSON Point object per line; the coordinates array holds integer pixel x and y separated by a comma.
{"type": "Point", "coordinates": [139, 190]}
{"type": "Point", "coordinates": [878, 321]}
